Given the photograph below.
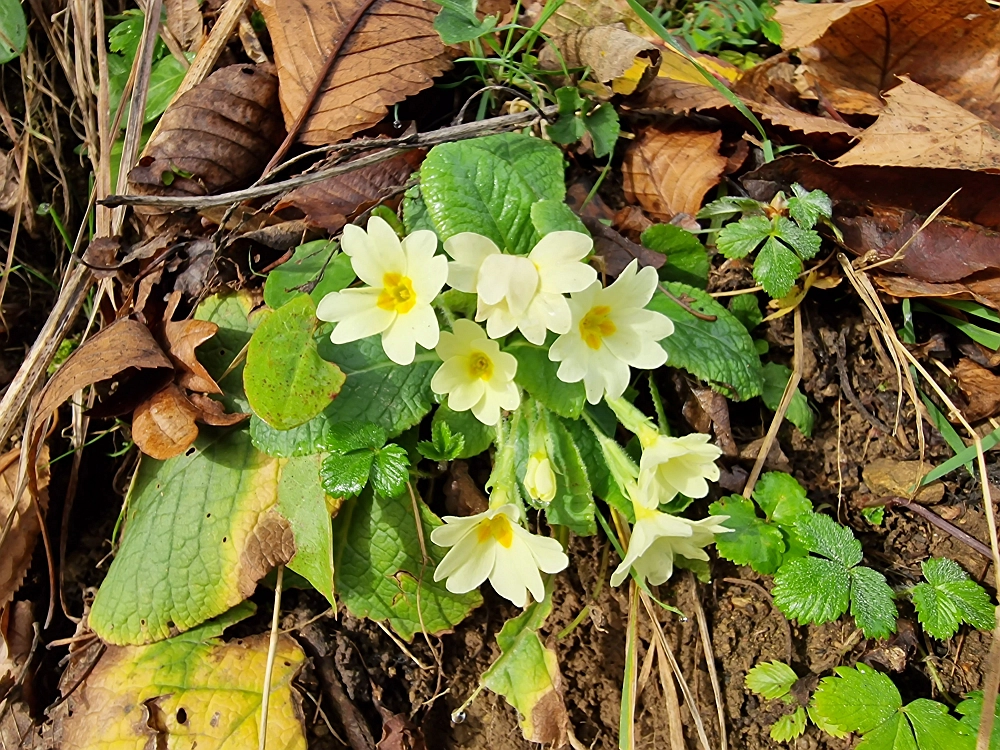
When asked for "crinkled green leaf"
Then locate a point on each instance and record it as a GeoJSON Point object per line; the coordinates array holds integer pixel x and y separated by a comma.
{"type": "Point", "coordinates": [345, 437]}
{"type": "Point", "coordinates": [753, 541]}
{"type": "Point", "coordinates": [728, 206]}
{"type": "Point", "coordinates": [871, 603]}
{"type": "Point", "coordinates": [719, 352]}
{"type": "Point", "coordinates": [555, 216]}
{"type": "Point", "coordinates": [776, 268]}
{"type": "Point", "coordinates": [806, 207]}
{"type": "Point", "coordinates": [740, 238]}
{"type": "Point", "coordinates": [536, 373]}
{"type": "Point", "coordinates": [782, 498]}
{"type": "Point", "coordinates": [857, 699]}
{"type": "Point", "coordinates": [799, 413]}
{"type": "Point", "coordinates": [687, 259]}
{"type": "Point", "coordinates": [812, 590]}
{"type": "Point", "coordinates": [476, 435]}
{"type": "Point", "coordinates": [604, 127]}
{"type": "Point", "coordinates": [415, 216]}
{"type": "Point", "coordinates": [313, 269]}
{"type": "Point", "coordinates": [487, 185]}
{"type": "Point", "coordinates": [746, 310]}
{"type": "Point", "coordinates": [346, 475]}
{"type": "Point", "coordinates": [376, 389]}
{"type": "Point", "coordinates": [789, 726]}
{"type": "Point", "coordinates": [573, 505]}
{"type": "Point", "coordinates": [824, 536]}
{"type": "Point", "coordinates": [601, 481]}
{"type": "Point", "coordinates": [287, 382]}
{"type": "Point", "coordinates": [773, 679]}
{"type": "Point", "coordinates": [950, 598]}
{"type": "Point", "coordinates": [390, 471]}
{"type": "Point", "coordinates": [379, 566]}
{"type": "Point", "coordinates": [303, 440]}
{"type": "Point", "coordinates": [304, 505]}
{"type": "Point", "coordinates": [805, 242]}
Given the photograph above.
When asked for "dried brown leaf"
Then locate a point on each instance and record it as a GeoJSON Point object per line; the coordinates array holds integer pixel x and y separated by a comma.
{"type": "Point", "coordinates": [669, 172]}
{"type": "Point", "coordinates": [616, 252]}
{"type": "Point", "coordinates": [392, 53]}
{"type": "Point", "coordinates": [918, 128]}
{"type": "Point", "coordinates": [185, 23]}
{"type": "Point", "coordinates": [983, 288]}
{"type": "Point", "coordinates": [573, 15]}
{"type": "Point", "coordinates": [183, 337]}
{"type": "Point", "coordinates": [671, 97]}
{"type": "Point", "coordinates": [981, 388]}
{"type": "Point", "coordinates": [17, 548]}
{"type": "Point", "coordinates": [214, 413]}
{"type": "Point", "coordinates": [330, 204]}
{"type": "Point", "coordinates": [615, 56]}
{"type": "Point", "coordinates": [164, 426]}
{"type": "Point", "coordinates": [948, 47]}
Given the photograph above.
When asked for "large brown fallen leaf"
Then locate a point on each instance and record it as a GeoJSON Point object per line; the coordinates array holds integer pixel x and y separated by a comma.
{"type": "Point", "coordinates": [918, 128]}
{"type": "Point", "coordinates": [615, 56]}
{"type": "Point", "coordinates": [573, 15]}
{"type": "Point", "coordinates": [669, 172]}
{"type": "Point", "coordinates": [981, 388]}
{"type": "Point", "coordinates": [17, 548]}
{"type": "Point", "coordinates": [392, 53]}
{"type": "Point", "coordinates": [983, 288]}
{"type": "Point", "coordinates": [330, 204]}
{"type": "Point", "coordinates": [190, 691]}
{"type": "Point", "coordinates": [949, 47]}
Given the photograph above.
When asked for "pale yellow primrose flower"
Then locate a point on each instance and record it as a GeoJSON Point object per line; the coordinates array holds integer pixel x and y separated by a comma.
{"type": "Point", "coordinates": [521, 291]}
{"type": "Point", "coordinates": [539, 478]}
{"type": "Point", "coordinates": [402, 280]}
{"type": "Point", "coordinates": [494, 545]}
{"type": "Point", "coordinates": [474, 373]}
{"type": "Point", "coordinates": [676, 465]}
{"type": "Point", "coordinates": [658, 537]}
{"type": "Point", "coordinates": [612, 331]}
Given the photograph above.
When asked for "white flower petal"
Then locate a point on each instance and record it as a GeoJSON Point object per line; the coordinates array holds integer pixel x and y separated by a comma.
{"type": "Point", "coordinates": [558, 248]}
{"type": "Point", "coordinates": [429, 277]}
{"type": "Point", "coordinates": [471, 564]}
{"type": "Point", "coordinates": [361, 325]}
{"type": "Point", "coordinates": [506, 577]}
{"type": "Point", "coordinates": [339, 305]}
{"type": "Point", "coordinates": [466, 395]}
{"type": "Point", "coordinates": [385, 245]}
{"type": "Point", "coordinates": [398, 342]}
{"type": "Point", "coordinates": [419, 247]}
{"type": "Point", "coordinates": [552, 311]}
{"type": "Point", "coordinates": [512, 278]}
{"type": "Point", "coordinates": [469, 251]}
{"type": "Point", "coordinates": [453, 373]}
{"type": "Point", "coordinates": [487, 409]}
{"type": "Point", "coordinates": [454, 529]}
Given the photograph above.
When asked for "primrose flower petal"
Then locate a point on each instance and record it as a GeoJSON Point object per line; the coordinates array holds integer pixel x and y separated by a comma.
{"type": "Point", "coordinates": [402, 278]}
{"type": "Point", "coordinates": [474, 373]}
{"type": "Point", "coordinates": [677, 465]}
{"type": "Point", "coordinates": [493, 545]}
{"type": "Point", "coordinates": [658, 537]}
{"type": "Point", "coordinates": [611, 332]}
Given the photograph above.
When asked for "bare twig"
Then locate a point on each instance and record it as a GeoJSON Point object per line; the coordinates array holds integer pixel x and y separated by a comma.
{"type": "Point", "coordinates": [713, 675]}
{"type": "Point", "coordinates": [934, 519]}
{"type": "Point", "coordinates": [272, 650]}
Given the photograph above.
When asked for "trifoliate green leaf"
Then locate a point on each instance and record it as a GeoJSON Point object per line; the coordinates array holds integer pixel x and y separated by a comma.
{"type": "Point", "coordinates": [971, 710]}
{"type": "Point", "coordinates": [568, 100]}
{"type": "Point", "coordinates": [782, 498]}
{"type": "Point", "coordinates": [477, 436]}
{"type": "Point", "coordinates": [789, 726]}
{"type": "Point", "coordinates": [746, 310]}
{"type": "Point", "coordinates": [457, 22]}
{"type": "Point", "coordinates": [687, 259]}
{"type": "Point", "coordinates": [555, 216]}
{"type": "Point", "coordinates": [603, 125]}
{"type": "Point", "coordinates": [935, 729]}
{"type": "Point", "coordinates": [313, 269]}
{"type": "Point", "coordinates": [771, 680]}
{"type": "Point", "coordinates": [806, 207]}
{"type": "Point", "coordinates": [857, 699]}
{"type": "Point", "coordinates": [739, 239]}
{"type": "Point", "coordinates": [805, 242]}
{"type": "Point", "coordinates": [390, 471]}
{"type": "Point", "coordinates": [799, 413]}
{"type": "Point", "coordinates": [950, 598]}
{"type": "Point", "coordinates": [753, 541]}
{"type": "Point", "coordinates": [892, 734]}
{"type": "Point", "coordinates": [776, 268]}
{"type": "Point", "coordinates": [443, 445]}
{"type": "Point", "coordinates": [812, 590]}
{"type": "Point", "coordinates": [871, 603]}
{"type": "Point", "coordinates": [346, 475]}
{"type": "Point", "coordinates": [824, 536]}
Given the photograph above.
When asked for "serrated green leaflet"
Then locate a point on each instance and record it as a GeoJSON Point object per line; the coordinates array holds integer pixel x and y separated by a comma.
{"type": "Point", "coordinates": [782, 498]}
{"type": "Point", "coordinates": [346, 475]}
{"type": "Point", "coordinates": [739, 239]}
{"type": "Point", "coordinates": [487, 185]}
{"type": "Point", "coordinates": [949, 598]}
{"type": "Point", "coordinates": [379, 562]}
{"type": "Point", "coordinates": [536, 373]}
{"type": "Point", "coordinates": [753, 541]}
{"type": "Point", "coordinates": [687, 259]}
{"type": "Point", "coordinates": [303, 440]}
{"type": "Point", "coordinates": [720, 352]}
{"type": "Point", "coordinates": [286, 381]}
{"type": "Point", "coordinates": [377, 390]}
{"type": "Point", "coordinates": [555, 216]}
{"type": "Point", "coordinates": [812, 590]}
{"type": "Point", "coordinates": [871, 603]}
{"type": "Point", "coordinates": [789, 726]}
{"type": "Point", "coordinates": [201, 529]}
{"type": "Point", "coordinates": [776, 268]}
{"type": "Point", "coordinates": [771, 679]}
{"type": "Point", "coordinates": [477, 436]}
{"type": "Point", "coordinates": [935, 729]}
{"type": "Point", "coordinates": [776, 377]}
{"type": "Point", "coordinates": [390, 471]}
{"type": "Point", "coordinates": [527, 673]}
{"type": "Point", "coordinates": [220, 354]}
{"type": "Point", "coordinates": [824, 536]}
{"type": "Point", "coordinates": [313, 269]}
{"type": "Point", "coordinates": [803, 241]}
{"type": "Point", "coordinates": [806, 207]}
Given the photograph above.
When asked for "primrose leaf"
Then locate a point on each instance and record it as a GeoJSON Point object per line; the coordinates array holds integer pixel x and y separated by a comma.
{"type": "Point", "coordinates": [536, 373]}
{"type": "Point", "coordinates": [527, 673]}
{"type": "Point", "coordinates": [573, 506]}
{"type": "Point", "coordinates": [789, 726]}
{"type": "Point", "coordinates": [806, 207]}
{"type": "Point", "coordinates": [782, 498]}
{"type": "Point", "coordinates": [771, 680]}
{"type": "Point", "coordinates": [313, 269]}
{"type": "Point", "coordinates": [443, 445]}
{"type": "Point", "coordinates": [746, 310]}
{"type": "Point", "coordinates": [476, 436]}
{"type": "Point", "coordinates": [303, 440]}
{"type": "Point", "coordinates": [949, 598]}
{"type": "Point", "coordinates": [857, 699]}
{"type": "Point", "coordinates": [776, 377]}
{"type": "Point", "coordinates": [740, 238]}
{"type": "Point", "coordinates": [390, 470]}
{"type": "Point", "coordinates": [415, 216]}
{"type": "Point", "coordinates": [776, 268]}
{"type": "Point", "coordinates": [308, 512]}
{"type": "Point", "coordinates": [602, 483]}
{"type": "Point", "coordinates": [286, 381]}
{"type": "Point", "coordinates": [753, 541]}
{"type": "Point", "coordinates": [812, 590]}
{"type": "Point", "coordinates": [719, 352]}
{"type": "Point", "coordinates": [487, 185]}
{"type": "Point", "coordinates": [379, 566]}
{"type": "Point", "coordinates": [824, 536]}
{"type": "Point", "coordinates": [687, 259]}
{"type": "Point", "coordinates": [555, 216]}
{"type": "Point", "coordinates": [603, 125]}
{"type": "Point", "coordinates": [871, 603]}
{"type": "Point", "coordinates": [805, 242]}
{"type": "Point", "coordinates": [345, 475]}
{"type": "Point", "coordinates": [376, 389]}
{"type": "Point", "coordinates": [971, 710]}
{"type": "Point", "coordinates": [222, 354]}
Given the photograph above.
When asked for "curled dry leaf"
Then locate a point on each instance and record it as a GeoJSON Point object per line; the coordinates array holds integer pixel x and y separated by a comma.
{"type": "Point", "coordinates": [164, 425]}
{"type": "Point", "coordinates": [573, 15]}
{"type": "Point", "coordinates": [614, 55]}
{"type": "Point", "coordinates": [185, 23]}
{"type": "Point", "coordinates": [918, 128]}
{"type": "Point", "coordinates": [983, 288]}
{"type": "Point", "coordinates": [981, 388]}
{"type": "Point", "coordinates": [17, 548]}
{"type": "Point", "coordinates": [391, 53]}
{"type": "Point", "coordinates": [616, 252]}
{"type": "Point", "coordinates": [330, 204]}
{"type": "Point", "coordinates": [669, 172]}
{"type": "Point", "coordinates": [183, 337]}
{"type": "Point", "coordinates": [212, 412]}
{"type": "Point", "coordinates": [671, 97]}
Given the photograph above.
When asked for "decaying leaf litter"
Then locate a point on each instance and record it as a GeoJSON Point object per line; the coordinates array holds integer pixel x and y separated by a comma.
{"type": "Point", "coordinates": [807, 192]}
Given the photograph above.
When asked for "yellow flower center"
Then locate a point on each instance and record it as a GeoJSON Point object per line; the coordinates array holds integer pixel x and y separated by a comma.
{"type": "Point", "coordinates": [480, 366]}
{"type": "Point", "coordinates": [497, 527]}
{"type": "Point", "coordinates": [595, 326]}
{"type": "Point", "coordinates": [397, 294]}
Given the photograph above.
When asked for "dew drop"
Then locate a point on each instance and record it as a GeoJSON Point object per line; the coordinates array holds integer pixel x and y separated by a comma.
{"type": "Point", "coordinates": [458, 717]}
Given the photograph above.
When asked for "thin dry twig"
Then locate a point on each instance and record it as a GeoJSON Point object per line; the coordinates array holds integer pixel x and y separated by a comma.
{"type": "Point", "coordinates": [272, 650]}
{"type": "Point", "coordinates": [713, 675]}
{"type": "Point", "coordinates": [674, 722]}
